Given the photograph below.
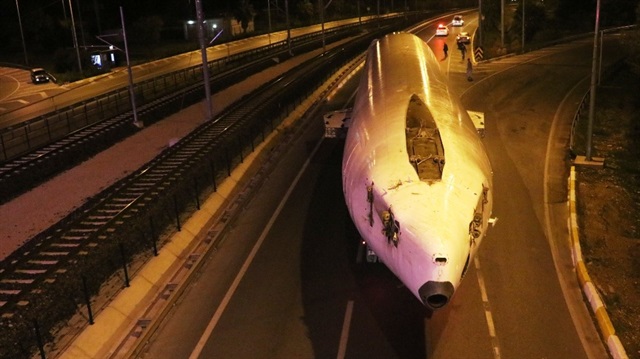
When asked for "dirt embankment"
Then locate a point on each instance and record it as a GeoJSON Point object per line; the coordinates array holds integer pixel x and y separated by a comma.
{"type": "Point", "coordinates": [609, 205]}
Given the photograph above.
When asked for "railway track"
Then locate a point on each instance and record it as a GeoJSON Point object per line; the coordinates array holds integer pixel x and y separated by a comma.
{"type": "Point", "coordinates": [90, 136]}
{"type": "Point", "coordinates": [42, 283]}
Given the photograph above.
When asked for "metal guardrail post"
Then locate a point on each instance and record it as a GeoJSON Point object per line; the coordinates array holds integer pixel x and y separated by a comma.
{"type": "Point", "coordinates": [196, 191]}
{"type": "Point", "coordinates": [87, 299]}
{"type": "Point", "coordinates": [124, 264]}
{"type": "Point", "coordinates": [177, 212]}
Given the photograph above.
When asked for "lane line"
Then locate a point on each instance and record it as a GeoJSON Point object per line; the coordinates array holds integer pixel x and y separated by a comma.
{"type": "Point", "coordinates": [487, 311]}
{"type": "Point", "coordinates": [236, 282]}
{"type": "Point", "coordinates": [10, 77]}
{"type": "Point", "coordinates": [344, 336]}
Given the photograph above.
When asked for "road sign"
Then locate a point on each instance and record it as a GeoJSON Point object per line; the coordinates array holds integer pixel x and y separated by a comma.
{"type": "Point", "coordinates": [478, 54]}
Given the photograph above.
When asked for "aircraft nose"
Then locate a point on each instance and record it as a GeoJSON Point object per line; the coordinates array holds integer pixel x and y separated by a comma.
{"type": "Point", "coordinates": [435, 294]}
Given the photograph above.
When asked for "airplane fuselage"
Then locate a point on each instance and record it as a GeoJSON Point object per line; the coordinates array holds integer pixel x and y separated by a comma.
{"type": "Point", "coordinates": [416, 177]}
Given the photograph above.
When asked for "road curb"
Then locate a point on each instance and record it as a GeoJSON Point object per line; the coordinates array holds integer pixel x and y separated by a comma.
{"type": "Point", "coordinates": [599, 310]}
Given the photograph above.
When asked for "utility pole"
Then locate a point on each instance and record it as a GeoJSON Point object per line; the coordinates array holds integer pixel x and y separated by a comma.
{"type": "Point", "coordinates": [24, 46]}
{"type": "Point", "coordinates": [523, 25]}
{"type": "Point", "coordinates": [592, 97]}
{"type": "Point", "coordinates": [269, 12]}
{"type": "Point", "coordinates": [286, 9]}
{"type": "Point", "coordinates": [502, 23]}
{"type": "Point", "coordinates": [75, 37]}
{"type": "Point", "coordinates": [132, 93]}
{"type": "Point", "coordinates": [205, 63]}
{"type": "Point", "coordinates": [321, 9]}
{"type": "Point", "coordinates": [479, 24]}
{"type": "Point", "coordinates": [64, 11]}
{"type": "Point", "coordinates": [84, 43]}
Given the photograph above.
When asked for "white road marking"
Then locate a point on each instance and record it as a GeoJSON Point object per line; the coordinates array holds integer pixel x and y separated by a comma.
{"type": "Point", "coordinates": [245, 266]}
{"type": "Point", "coordinates": [344, 336]}
{"type": "Point", "coordinates": [487, 310]}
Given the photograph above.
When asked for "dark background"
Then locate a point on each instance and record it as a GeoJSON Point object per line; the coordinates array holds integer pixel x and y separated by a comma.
{"type": "Point", "coordinates": [155, 27]}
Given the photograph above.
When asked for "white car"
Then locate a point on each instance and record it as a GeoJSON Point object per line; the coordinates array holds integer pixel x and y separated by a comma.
{"type": "Point", "coordinates": [442, 30]}
{"type": "Point", "coordinates": [457, 21]}
{"type": "Point", "coordinates": [463, 37]}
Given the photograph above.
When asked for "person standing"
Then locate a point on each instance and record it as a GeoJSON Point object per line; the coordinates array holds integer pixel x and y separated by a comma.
{"type": "Point", "coordinates": [463, 50]}
{"type": "Point", "coordinates": [469, 69]}
{"type": "Point", "coordinates": [445, 48]}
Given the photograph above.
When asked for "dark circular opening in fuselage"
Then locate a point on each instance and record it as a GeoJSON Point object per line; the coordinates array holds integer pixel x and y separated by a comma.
{"type": "Point", "coordinates": [437, 300]}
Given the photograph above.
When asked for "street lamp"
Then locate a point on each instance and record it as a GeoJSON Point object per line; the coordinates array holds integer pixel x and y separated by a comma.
{"type": "Point", "coordinates": [480, 18]}
{"type": "Point", "coordinates": [592, 96]}
{"type": "Point", "coordinates": [24, 47]}
{"type": "Point", "coordinates": [75, 37]}
{"type": "Point", "coordinates": [269, 16]}
{"type": "Point", "coordinates": [286, 9]}
{"type": "Point", "coordinates": [321, 9]}
{"type": "Point", "coordinates": [523, 5]}
{"type": "Point", "coordinates": [205, 63]}
{"type": "Point", "coordinates": [132, 95]}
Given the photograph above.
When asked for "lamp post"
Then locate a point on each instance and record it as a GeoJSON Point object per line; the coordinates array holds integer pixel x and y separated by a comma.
{"type": "Point", "coordinates": [132, 93]}
{"type": "Point", "coordinates": [64, 11]}
{"type": "Point", "coordinates": [269, 16]}
{"type": "Point", "coordinates": [321, 9]}
{"type": "Point", "coordinates": [24, 46]}
{"type": "Point", "coordinates": [502, 23]}
{"type": "Point", "coordinates": [75, 37]}
{"type": "Point", "coordinates": [286, 9]}
{"type": "Point", "coordinates": [480, 18]}
{"type": "Point", "coordinates": [205, 64]}
{"type": "Point", "coordinates": [592, 96]}
{"type": "Point", "coordinates": [132, 96]}
{"type": "Point", "coordinates": [523, 5]}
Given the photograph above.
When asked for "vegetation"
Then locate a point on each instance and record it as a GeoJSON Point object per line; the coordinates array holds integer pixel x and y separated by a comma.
{"type": "Point", "coordinates": [609, 204]}
{"type": "Point", "coordinates": [548, 21]}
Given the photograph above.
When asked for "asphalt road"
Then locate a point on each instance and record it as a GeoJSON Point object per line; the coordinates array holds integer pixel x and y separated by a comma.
{"type": "Point", "coordinates": [305, 296]}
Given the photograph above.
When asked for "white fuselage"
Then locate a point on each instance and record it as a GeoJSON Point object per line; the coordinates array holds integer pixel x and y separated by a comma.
{"type": "Point", "coordinates": [424, 222]}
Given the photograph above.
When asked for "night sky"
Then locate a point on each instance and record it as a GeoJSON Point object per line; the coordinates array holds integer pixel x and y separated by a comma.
{"type": "Point", "coordinates": [43, 21]}
{"type": "Point", "coordinates": [46, 24]}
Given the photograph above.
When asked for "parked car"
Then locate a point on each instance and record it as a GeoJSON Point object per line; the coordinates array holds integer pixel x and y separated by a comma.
{"type": "Point", "coordinates": [442, 30]}
{"type": "Point", "coordinates": [463, 37]}
{"type": "Point", "coordinates": [457, 21]}
{"type": "Point", "coordinates": [39, 75]}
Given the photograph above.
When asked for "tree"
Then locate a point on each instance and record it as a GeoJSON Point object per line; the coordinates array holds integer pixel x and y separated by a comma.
{"type": "Point", "coordinates": [535, 22]}
{"type": "Point", "coordinates": [631, 42]}
{"type": "Point", "coordinates": [305, 11]}
{"type": "Point", "coordinates": [244, 13]}
{"type": "Point", "coordinates": [576, 14]}
{"type": "Point", "coordinates": [146, 30]}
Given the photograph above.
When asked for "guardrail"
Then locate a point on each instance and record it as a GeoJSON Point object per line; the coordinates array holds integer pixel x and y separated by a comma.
{"type": "Point", "coordinates": [587, 96]}
{"type": "Point", "coordinates": [583, 105]}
